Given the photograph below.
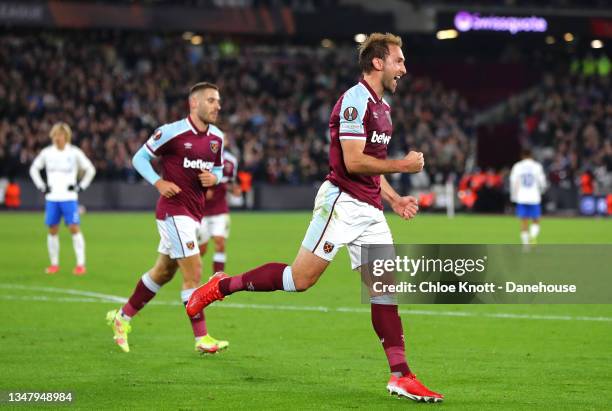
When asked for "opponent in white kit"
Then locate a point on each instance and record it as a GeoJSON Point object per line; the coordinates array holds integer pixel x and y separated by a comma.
{"type": "Point", "coordinates": [62, 162]}
{"type": "Point", "coordinates": [527, 183]}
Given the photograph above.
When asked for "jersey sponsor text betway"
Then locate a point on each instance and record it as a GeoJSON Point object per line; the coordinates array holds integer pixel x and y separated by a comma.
{"type": "Point", "coordinates": [380, 138]}
{"type": "Point", "coordinates": [198, 164]}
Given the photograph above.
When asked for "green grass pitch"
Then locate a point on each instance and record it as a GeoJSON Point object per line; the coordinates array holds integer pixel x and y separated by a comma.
{"type": "Point", "coordinates": [287, 351]}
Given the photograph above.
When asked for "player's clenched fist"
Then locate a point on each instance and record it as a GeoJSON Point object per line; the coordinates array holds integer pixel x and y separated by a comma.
{"type": "Point", "coordinates": [207, 179]}
{"type": "Point", "coordinates": [413, 162]}
{"type": "Point", "coordinates": [167, 188]}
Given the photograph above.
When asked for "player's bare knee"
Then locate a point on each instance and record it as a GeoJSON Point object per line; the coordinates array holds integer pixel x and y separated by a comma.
{"type": "Point", "coordinates": [54, 229]}
{"type": "Point", "coordinates": [74, 229]}
{"type": "Point", "coordinates": [219, 244]}
{"type": "Point", "coordinates": [163, 271]}
{"type": "Point", "coordinates": [161, 276]}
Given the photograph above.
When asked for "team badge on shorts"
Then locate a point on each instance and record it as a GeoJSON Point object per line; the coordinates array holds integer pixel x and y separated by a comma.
{"type": "Point", "coordinates": [214, 146]}
{"type": "Point", "coordinates": [350, 113]}
{"type": "Point", "coordinates": [328, 247]}
{"type": "Point", "coordinates": [190, 245]}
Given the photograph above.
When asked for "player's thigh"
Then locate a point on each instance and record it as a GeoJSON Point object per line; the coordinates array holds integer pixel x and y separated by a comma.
{"type": "Point", "coordinates": [307, 268]}
{"type": "Point", "coordinates": [70, 212]}
{"type": "Point", "coordinates": [376, 242]}
{"type": "Point", "coordinates": [337, 220]}
{"type": "Point", "coordinates": [53, 213]}
{"type": "Point", "coordinates": [178, 236]}
{"type": "Point", "coordinates": [203, 231]}
{"type": "Point", "coordinates": [220, 225]}
{"type": "Point", "coordinates": [376, 234]}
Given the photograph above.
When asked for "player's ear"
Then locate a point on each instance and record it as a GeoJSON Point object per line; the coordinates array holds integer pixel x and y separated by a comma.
{"type": "Point", "coordinates": [377, 63]}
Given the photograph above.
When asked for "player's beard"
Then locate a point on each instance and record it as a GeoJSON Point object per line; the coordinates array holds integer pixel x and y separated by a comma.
{"type": "Point", "coordinates": [208, 118]}
{"type": "Point", "coordinates": [389, 83]}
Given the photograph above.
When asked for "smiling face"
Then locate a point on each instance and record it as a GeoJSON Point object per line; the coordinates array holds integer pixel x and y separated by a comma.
{"type": "Point", "coordinates": [393, 68]}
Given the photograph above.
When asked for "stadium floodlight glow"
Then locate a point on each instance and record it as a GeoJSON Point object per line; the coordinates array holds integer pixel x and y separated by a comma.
{"type": "Point", "coordinates": [447, 34]}
{"type": "Point", "coordinates": [550, 40]}
{"type": "Point", "coordinates": [196, 40]}
{"type": "Point", "coordinates": [569, 37]}
{"type": "Point", "coordinates": [360, 37]}
{"type": "Point", "coordinates": [466, 21]}
{"type": "Point", "coordinates": [187, 35]}
{"type": "Point", "coordinates": [597, 44]}
{"type": "Point", "coordinates": [327, 43]}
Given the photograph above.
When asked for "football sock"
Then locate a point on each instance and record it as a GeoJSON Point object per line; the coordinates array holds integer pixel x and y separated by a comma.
{"type": "Point", "coordinates": [143, 293]}
{"type": "Point", "coordinates": [53, 246]}
{"type": "Point", "coordinates": [198, 321]}
{"type": "Point", "coordinates": [534, 230]}
{"type": "Point", "coordinates": [288, 284]}
{"type": "Point", "coordinates": [268, 277]}
{"type": "Point", "coordinates": [78, 242]}
{"type": "Point", "coordinates": [388, 326]}
{"type": "Point", "coordinates": [525, 237]}
{"type": "Point", "coordinates": [218, 262]}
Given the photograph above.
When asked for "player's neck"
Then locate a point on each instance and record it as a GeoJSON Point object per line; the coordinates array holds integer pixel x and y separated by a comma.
{"type": "Point", "coordinates": [200, 126]}
{"type": "Point", "coordinates": [375, 84]}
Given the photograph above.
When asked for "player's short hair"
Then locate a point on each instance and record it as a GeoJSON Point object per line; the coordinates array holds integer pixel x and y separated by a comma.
{"type": "Point", "coordinates": [376, 45]}
{"type": "Point", "coordinates": [526, 152]}
{"type": "Point", "coordinates": [61, 127]}
{"type": "Point", "coordinates": [203, 85]}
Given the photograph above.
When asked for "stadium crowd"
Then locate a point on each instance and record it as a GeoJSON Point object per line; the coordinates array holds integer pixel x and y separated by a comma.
{"type": "Point", "coordinates": [569, 123]}
{"type": "Point", "coordinates": [115, 89]}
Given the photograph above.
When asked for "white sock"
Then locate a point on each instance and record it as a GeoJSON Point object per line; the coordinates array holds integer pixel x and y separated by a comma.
{"type": "Point", "coordinates": [185, 294]}
{"type": "Point", "coordinates": [149, 283]}
{"type": "Point", "coordinates": [534, 230]}
{"type": "Point", "coordinates": [219, 257]}
{"type": "Point", "coordinates": [525, 237]}
{"type": "Point", "coordinates": [288, 284]}
{"type": "Point", "coordinates": [78, 242]}
{"type": "Point", "coordinates": [53, 247]}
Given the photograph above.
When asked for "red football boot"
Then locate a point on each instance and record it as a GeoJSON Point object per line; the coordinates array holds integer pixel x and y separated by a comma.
{"type": "Point", "coordinates": [79, 270]}
{"type": "Point", "coordinates": [52, 269]}
{"type": "Point", "coordinates": [408, 386]}
{"type": "Point", "coordinates": [205, 295]}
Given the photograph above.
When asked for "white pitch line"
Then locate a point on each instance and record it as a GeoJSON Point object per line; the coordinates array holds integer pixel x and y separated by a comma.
{"type": "Point", "coordinates": [113, 298]}
{"type": "Point", "coordinates": [109, 298]}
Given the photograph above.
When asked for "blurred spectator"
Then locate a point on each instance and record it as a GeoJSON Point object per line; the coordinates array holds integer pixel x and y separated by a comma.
{"type": "Point", "coordinates": [569, 122]}
{"type": "Point", "coordinates": [116, 88]}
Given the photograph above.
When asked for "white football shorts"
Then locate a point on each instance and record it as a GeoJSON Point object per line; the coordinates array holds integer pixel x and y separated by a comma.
{"type": "Point", "coordinates": [178, 237]}
{"type": "Point", "coordinates": [214, 226]}
{"type": "Point", "coordinates": [339, 219]}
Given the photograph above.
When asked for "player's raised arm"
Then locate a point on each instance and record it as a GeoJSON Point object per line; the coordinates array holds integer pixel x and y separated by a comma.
{"type": "Point", "coordinates": [357, 162]}
{"type": "Point", "coordinates": [37, 165]}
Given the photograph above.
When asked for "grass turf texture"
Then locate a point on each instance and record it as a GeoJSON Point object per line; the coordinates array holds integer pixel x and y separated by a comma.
{"type": "Point", "coordinates": [286, 359]}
